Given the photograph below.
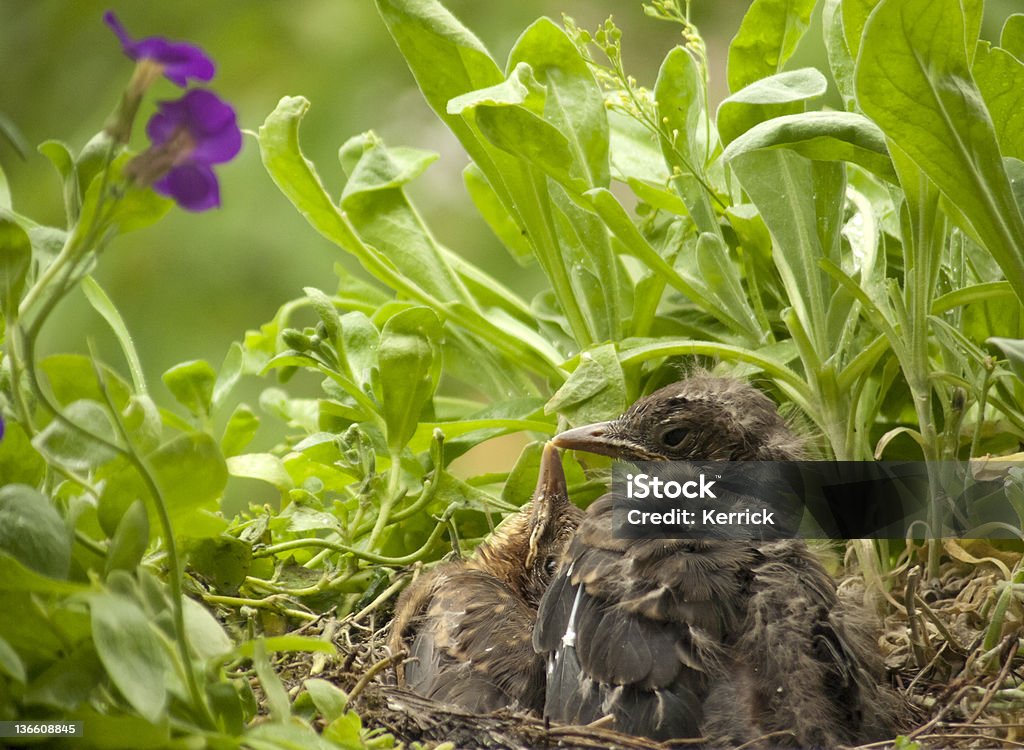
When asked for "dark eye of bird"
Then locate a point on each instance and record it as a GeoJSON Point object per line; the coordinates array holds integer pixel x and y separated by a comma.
{"type": "Point", "coordinates": [674, 437]}
{"type": "Point", "coordinates": [551, 565]}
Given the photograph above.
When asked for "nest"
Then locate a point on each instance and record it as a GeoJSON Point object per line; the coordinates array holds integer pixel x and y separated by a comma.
{"type": "Point", "coordinates": [961, 691]}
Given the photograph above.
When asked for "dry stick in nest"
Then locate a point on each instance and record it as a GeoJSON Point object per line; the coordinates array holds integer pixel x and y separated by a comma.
{"type": "Point", "coordinates": [920, 731]}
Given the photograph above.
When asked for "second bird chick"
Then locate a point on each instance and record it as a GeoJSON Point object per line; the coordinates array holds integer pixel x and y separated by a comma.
{"type": "Point", "coordinates": [468, 624]}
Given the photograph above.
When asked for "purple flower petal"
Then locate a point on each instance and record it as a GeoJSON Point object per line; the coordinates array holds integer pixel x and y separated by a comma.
{"type": "Point", "coordinates": [180, 61]}
{"type": "Point", "coordinates": [193, 186]}
{"type": "Point", "coordinates": [209, 121]}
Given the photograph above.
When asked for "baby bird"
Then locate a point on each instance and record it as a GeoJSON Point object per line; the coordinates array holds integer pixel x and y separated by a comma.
{"type": "Point", "coordinates": [468, 624]}
{"type": "Point", "coordinates": [723, 638]}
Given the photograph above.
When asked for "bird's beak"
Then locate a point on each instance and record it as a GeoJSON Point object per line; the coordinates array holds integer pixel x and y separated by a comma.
{"type": "Point", "coordinates": [551, 482]}
{"type": "Point", "coordinates": [592, 438]}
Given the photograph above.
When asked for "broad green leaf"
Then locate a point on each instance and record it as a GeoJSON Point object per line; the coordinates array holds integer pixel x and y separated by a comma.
{"type": "Point", "coordinates": [131, 652]}
{"type": "Point", "coordinates": [521, 87]}
{"type": "Point", "coordinates": [375, 202]}
{"type": "Point", "coordinates": [721, 276]}
{"type": "Point", "coordinates": [228, 375]}
{"type": "Point", "coordinates": [361, 343]}
{"type": "Point", "coordinates": [517, 131]}
{"type": "Point", "coordinates": [125, 732]}
{"type": "Point", "coordinates": [82, 447]}
{"type": "Point", "coordinates": [223, 560]}
{"type": "Point", "coordinates": [855, 15]}
{"type": "Point", "coordinates": [263, 466]}
{"type": "Point", "coordinates": [142, 421]}
{"type": "Point", "coordinates": [823, 136]}
{"type": "Point", "coordinates": [329, 699]}
{"type": "Point", "coordinates": [10, 662]}
{"type": "Point", "coordinates": [191, 383]}
{"type": "Point", "coordinates": [191, 472]}
{"type": "Point", "coordinates": [239, 431]}
{"type": "Point", "coordinates": [20, 463]}
{"type": "Point", "coordinates": [15, 258]}
{"type": "Point", "coordinates": [914, 60]}
{"type": "Point", "coordinates": [1000, 78]}
{"type": "Point", "coordinates": [68, 682]}
{"type": "Point", "coordinates": [1013, 350]}
{"type": "Point", "coordinates": [1012, 37]}
{"type": "Point", "coordinates": [32, 532]}
{"type": "Point", "coordinates": [102, 304]}
{"type": "Point", "coordinates": [207, 637]}
{"type": "Point", "coordinates": [783, 94]}
{"type": "Point", "coordinates": [840, 60]}
{"type": "Point", "coordinates": [679, 93]}
{"type": "Point", "coordinates": [72, 377]}
{"type": "Point", "coordinates": [795, 197]}
{"type": "Point", "coordinates": [409, 367]}
{"type": "Point", "coordinates": [573, 103]}
{"type": "Point", "coordinates": [768, 36]}
{"type": "Point", "coordinates": [136, 208]}
{"type": "Point", "coordinates": [595, 391]}
{"type": "Point", "coordinates": [498, 218]}
{"type": "Point", "coordinates": [130, 539]}
{"type": "Point", "coordinates": [346, 731]}
{"type": "Point", "coordinates": [60, 157]}
{"type": "Point", "coordinates": [636, 151]}
{"type": "Point", "coordinates": [17, 577]}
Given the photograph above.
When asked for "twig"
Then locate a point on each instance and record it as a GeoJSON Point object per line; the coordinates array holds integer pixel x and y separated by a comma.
{"type": "Point", "coordinates": [372, 672]}
{"type": "Point", "coordinates": [991, 691]}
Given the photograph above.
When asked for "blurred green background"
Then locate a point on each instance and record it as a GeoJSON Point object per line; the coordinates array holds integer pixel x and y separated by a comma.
{"type": "Point", "coordinates": [193, 283]}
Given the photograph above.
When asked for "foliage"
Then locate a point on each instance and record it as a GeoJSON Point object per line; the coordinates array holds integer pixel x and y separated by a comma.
{"type": "Point", "coordinates": [867, 265]}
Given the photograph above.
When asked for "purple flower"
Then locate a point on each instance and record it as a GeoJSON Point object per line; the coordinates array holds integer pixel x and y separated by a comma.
{"type": "Point", "coordinates": [188, 136]}
{"type": "Point", "coordinates": [178, 61]}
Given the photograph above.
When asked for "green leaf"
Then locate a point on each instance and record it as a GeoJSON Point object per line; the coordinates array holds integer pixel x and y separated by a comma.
{"type": "Point", "coordinates": [191, 384]}
{"type": "Point", "coordinates": [1000, 78]}
{"type": "Point", "coordinates": [375, 202]}
{"type": "Point", "coordinates": [32, 531]}
{"type": "Point", "coordinates": [498, 218]}
{"type": "Point", "coordinates": [679, 92]}
{"type": "Point", "coordinates": [17, 577]}
{"type": "Point", "coordinates": [521, 87]}
{"type": "Point", "coordinates": [239, 431]}
{"type": "Point", "coordinates": [573, 103]}
{"type": "Point", "coordinates": [518, 131]}
{"type": "Point", "coordinates": [131, 652]}
{"type": "Point", "coordinates": [840, 60]}
{"type": "Point", "coordinates": [10, 662]}
{"type": "Point", "coordinates": [326, 311]}
{"type": "Point", "coordinates": [223, 560]}
{"type": "Point", "coordinates": [595, 391]}
{"type": "Point", "coordinates": [823, 136]}
{"type": "Point", "coordinates": [20, 463]}
{"type": "Point", "coordinates": [329, 700]}
{"type": "Point", "coordinates": [136, 208]}
{"type": "Point", "coordinates": [795, 197]}
{"type": "Point", "coordinates": [125, 732]}
{"type": "Point", "coordinates": [15, 258]}
{"type": "Point", "coordinates": [409, 368]}
{"type": "Point", "coordinates": [914, 60]}
{"type": "Point", "coordinates": [783, 94]}
{"type": "Point", "coordinates": [130, 539]}
{"type": "Point", "coordinates": [72, 377]}
{"type": "Point", "coordinates": [228, 375]}
{"type": "Point", "coordinates": [1013, 350]}
{"type": "Point", "coordinates": [346, 731]}
{"type": "Point", "coordinates": [102, 304]}
{"type": "Point", "coordinates": [206, 635]}
{"type": "Point", "coordinates": [263, 466]}
{"type": "Point", "coordinates": [69, 681]}
{"type": "Point", "coordinates": [60, 157]}
{"type": "Point", "coordinates": [721, 276]}
{"type": "Point", "coordinates": [75, 449]}
{"type": "Point", "coordinates": [768, 36]}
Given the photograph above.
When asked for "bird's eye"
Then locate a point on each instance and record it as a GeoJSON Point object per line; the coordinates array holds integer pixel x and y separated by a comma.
{"type": "Point", "coordinates": [551, 565]}
{"type": "Point", "coordinates": [674, 437]}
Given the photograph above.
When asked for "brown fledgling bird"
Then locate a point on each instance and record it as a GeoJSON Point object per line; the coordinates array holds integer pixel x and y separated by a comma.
{"type": "Point", "coordinates": [728, 639]}
{"type": "Point", "coordinates": [468, 623]}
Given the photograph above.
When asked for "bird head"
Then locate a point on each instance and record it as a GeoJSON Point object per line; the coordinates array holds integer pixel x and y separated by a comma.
{"type": "Point", "coordinates": [700, 418]}
{"type": "Point", "coordinates": [525, 549]}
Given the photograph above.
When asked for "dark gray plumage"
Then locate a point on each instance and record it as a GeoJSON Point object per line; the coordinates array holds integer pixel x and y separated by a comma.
{"type": "Point", "coordinates": [467, 624]}
{"type": "Point", "coordinates": [727, 639]}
